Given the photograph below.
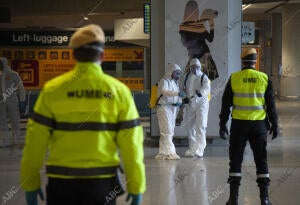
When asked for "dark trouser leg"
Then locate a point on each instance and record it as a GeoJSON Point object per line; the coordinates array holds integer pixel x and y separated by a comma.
{"type": "Point", "coordinates": [14, 119]}
{"type": "Point", "coordinates": [259, 146]}
{"type": "Point", "coordinates": [4, 132]}
{"type": "Point", "coordinates": [236, 152]}
{"type": "Point", "coordinates": [81, 191]}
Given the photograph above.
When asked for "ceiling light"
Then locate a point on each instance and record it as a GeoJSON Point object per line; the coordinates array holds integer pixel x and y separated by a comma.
{"type": "Point", "coordinates": [245, 6]}
{"type": "Point", "coordinates": [85, 18]}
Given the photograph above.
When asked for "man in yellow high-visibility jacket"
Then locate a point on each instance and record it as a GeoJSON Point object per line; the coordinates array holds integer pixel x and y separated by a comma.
{"type": "Point", "coordinates": [250, 94]}
{"type": "Point", "coordinates": [83, 118]}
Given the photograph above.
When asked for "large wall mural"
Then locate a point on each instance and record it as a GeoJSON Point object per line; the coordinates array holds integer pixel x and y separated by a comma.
{"type": "Point", "coordinates": [199, 28]}
{"type": "Point", "coordinates": [196, 31]}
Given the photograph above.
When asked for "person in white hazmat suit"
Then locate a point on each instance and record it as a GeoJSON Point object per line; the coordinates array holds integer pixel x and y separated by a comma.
{"type": "Point", "coordinates": [11, 85]}
{"type": "Point", "coordinates": [196, 85]}
{"type": "Point", "coordinates": [169, 100]}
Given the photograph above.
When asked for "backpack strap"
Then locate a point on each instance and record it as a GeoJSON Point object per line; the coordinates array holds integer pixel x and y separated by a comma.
{"type": "Point", "coordinates": [202, 76]}
{"type": "Point", "coordinates": [185, 80]}
{"type": "Point", "coordinates": [161, 94]}
{"type": "Point", "coordinates": [158, 100]}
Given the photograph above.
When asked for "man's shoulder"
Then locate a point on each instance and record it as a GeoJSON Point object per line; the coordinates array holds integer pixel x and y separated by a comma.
{"type": "Point", "coordinates": [71, 80]}
{"type": "Point", "coordinates": [57, 81]}
{"type": "Point", "coordinates": [205, 76]}
{"type": "Point", "coordinates": [164, 79]}
{"type": "Point", "coordinates": [113, 82]}
{"type": "Point", "coordinates": [12, 72]}
{"type": "Point", "coordinates": [262, 73]}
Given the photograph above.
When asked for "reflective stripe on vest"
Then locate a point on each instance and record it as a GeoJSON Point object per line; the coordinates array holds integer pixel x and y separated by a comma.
{"type": "Point", "coordinates": [236, 107]}
{"type": "Point", "coordinates": [249, 95]}
{"type": "Point", "coordinates": [91, 126]}
{"type": "Point", "coordinates": [67, 171]}
{"type": "Point", "coordinates": [249, 87]}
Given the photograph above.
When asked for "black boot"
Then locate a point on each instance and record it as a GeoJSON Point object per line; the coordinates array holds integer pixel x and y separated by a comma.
{"type": "Point", "coordinates": [234, 194]}
{"type": "Point", "coordinates": [263, 184]}
{"type": "Point", "coordinates": [234, 182]}
{"type": "Point", "coordinates": [264, 196]}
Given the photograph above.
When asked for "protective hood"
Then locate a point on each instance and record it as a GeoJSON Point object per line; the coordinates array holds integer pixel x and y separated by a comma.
{"type": "Point", "coordinates": [5, 64]}
{"type": "Point", "coordinates": [11, 84]}
{"type": "Point", "coordinates": [196, 71]}
{"type": "Point", "coordinates": [171, 68]}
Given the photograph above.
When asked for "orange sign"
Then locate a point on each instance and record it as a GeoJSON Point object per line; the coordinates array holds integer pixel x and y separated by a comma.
{"type": "Point", "coordinates": [129, 54]}
{"type": "Point", "coordinates": [36, 66]}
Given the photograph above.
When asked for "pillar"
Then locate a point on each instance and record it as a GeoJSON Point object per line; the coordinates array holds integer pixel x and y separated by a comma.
{"type": "Point", "coordinates": [290, 79]}
{"type": "Point", "coordinates": [276, 51]}
{"type": "Point", "coordinates": [167, 47]}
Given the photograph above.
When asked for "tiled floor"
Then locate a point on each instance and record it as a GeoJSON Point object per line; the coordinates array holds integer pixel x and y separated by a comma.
{"type": "Point", "coordinates": [199, 181]}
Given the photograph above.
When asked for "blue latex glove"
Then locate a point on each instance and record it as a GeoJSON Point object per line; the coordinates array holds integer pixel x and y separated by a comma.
{"type": "Point", "coordinates": [182, 94]}
{"type": "Point", "coordinates": [31, 196]}
{"type": "Point", "coordinates": [178, 104]}
{"type": "Point", "coordinates": [22, 106]}
{"type": "Point", "coordinates": [136, 199]}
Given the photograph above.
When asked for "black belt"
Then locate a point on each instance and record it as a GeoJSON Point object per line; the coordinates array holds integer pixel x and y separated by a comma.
{"type": "Point", "coordinates": [67, 171]}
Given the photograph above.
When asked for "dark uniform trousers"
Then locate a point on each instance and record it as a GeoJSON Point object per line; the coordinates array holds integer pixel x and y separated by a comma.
{"type": "Point", "coordinates": [82, 191]}
{"type": "Point", "coordinates": [256, 133]}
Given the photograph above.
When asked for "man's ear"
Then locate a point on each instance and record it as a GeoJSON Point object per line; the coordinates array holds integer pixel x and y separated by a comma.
{"type": "Point", "coordinates": [101, 56]}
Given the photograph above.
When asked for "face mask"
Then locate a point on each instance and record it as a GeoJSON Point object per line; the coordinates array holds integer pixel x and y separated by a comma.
{"type": "Point", "coordinates": [195, 70]}
{"type": "Point", "coordinates": [176, 75]}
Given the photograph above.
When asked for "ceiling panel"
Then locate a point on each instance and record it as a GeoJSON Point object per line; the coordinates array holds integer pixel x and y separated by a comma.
{"type": "Point", "coordinates": [70, 13]}
{"type": "Point", "coordinates": [266, 6]}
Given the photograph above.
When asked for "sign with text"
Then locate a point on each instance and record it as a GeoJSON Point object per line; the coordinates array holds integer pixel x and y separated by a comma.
{"type": "Point", "coordinates": [248, 32]}
{"type": "Point", "coordinates": [35, 38]}
{"type": "Point", "coordinates": [129, 54]}
{"type": "Point", "coordinates": [36, 65]}
{"type": "Point", "coordinates": [47, 38]}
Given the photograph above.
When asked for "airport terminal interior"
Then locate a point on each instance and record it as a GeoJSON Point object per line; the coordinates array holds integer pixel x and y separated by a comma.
{"type": "Point", "coordinates": [199, 181]}
{"type": "Point", "coordinates": [273, 29]}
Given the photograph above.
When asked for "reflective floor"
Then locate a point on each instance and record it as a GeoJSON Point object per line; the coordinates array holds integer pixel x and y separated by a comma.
{"type": "Point", "coordinates": [199, 181]}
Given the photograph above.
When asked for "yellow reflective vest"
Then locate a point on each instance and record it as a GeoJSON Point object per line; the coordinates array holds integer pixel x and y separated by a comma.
{"type": "Point", "coordinates": [249, 87]}
{"type": "Point", "coordinates": [82, 118]}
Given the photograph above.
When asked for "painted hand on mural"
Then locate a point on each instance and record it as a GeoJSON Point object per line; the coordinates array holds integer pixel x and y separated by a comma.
{"type": "Point", "coordinates": [196, 30]}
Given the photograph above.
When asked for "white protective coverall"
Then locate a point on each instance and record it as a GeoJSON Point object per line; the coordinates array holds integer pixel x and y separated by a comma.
{"type": "Point", "coordinates": [167, 106]}
{"type": "Point", "coordinates": [11, 85]}
{"type": "Point", "coordinates": [196, 111]}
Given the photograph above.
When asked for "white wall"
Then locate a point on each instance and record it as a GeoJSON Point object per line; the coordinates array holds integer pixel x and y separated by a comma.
{"type": "Point", "coordinates": [157, 38]}
{"type": "Point", "coordinates": [290, 83]}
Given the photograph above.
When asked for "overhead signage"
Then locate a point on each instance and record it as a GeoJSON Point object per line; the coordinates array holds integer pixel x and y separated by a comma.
{"type": "Point", "coordinates": [130, 29]}
{"type": "Point", "coordinates": [54, 38]}
{"type": "Point", "coordinates": [37, 65]}
{"type": "Point", "coordinates": [129, 54]}
{"type": "Point", "coordinates": [35, 38]}
{"type": "Point", "coordinates": [248, 32]}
